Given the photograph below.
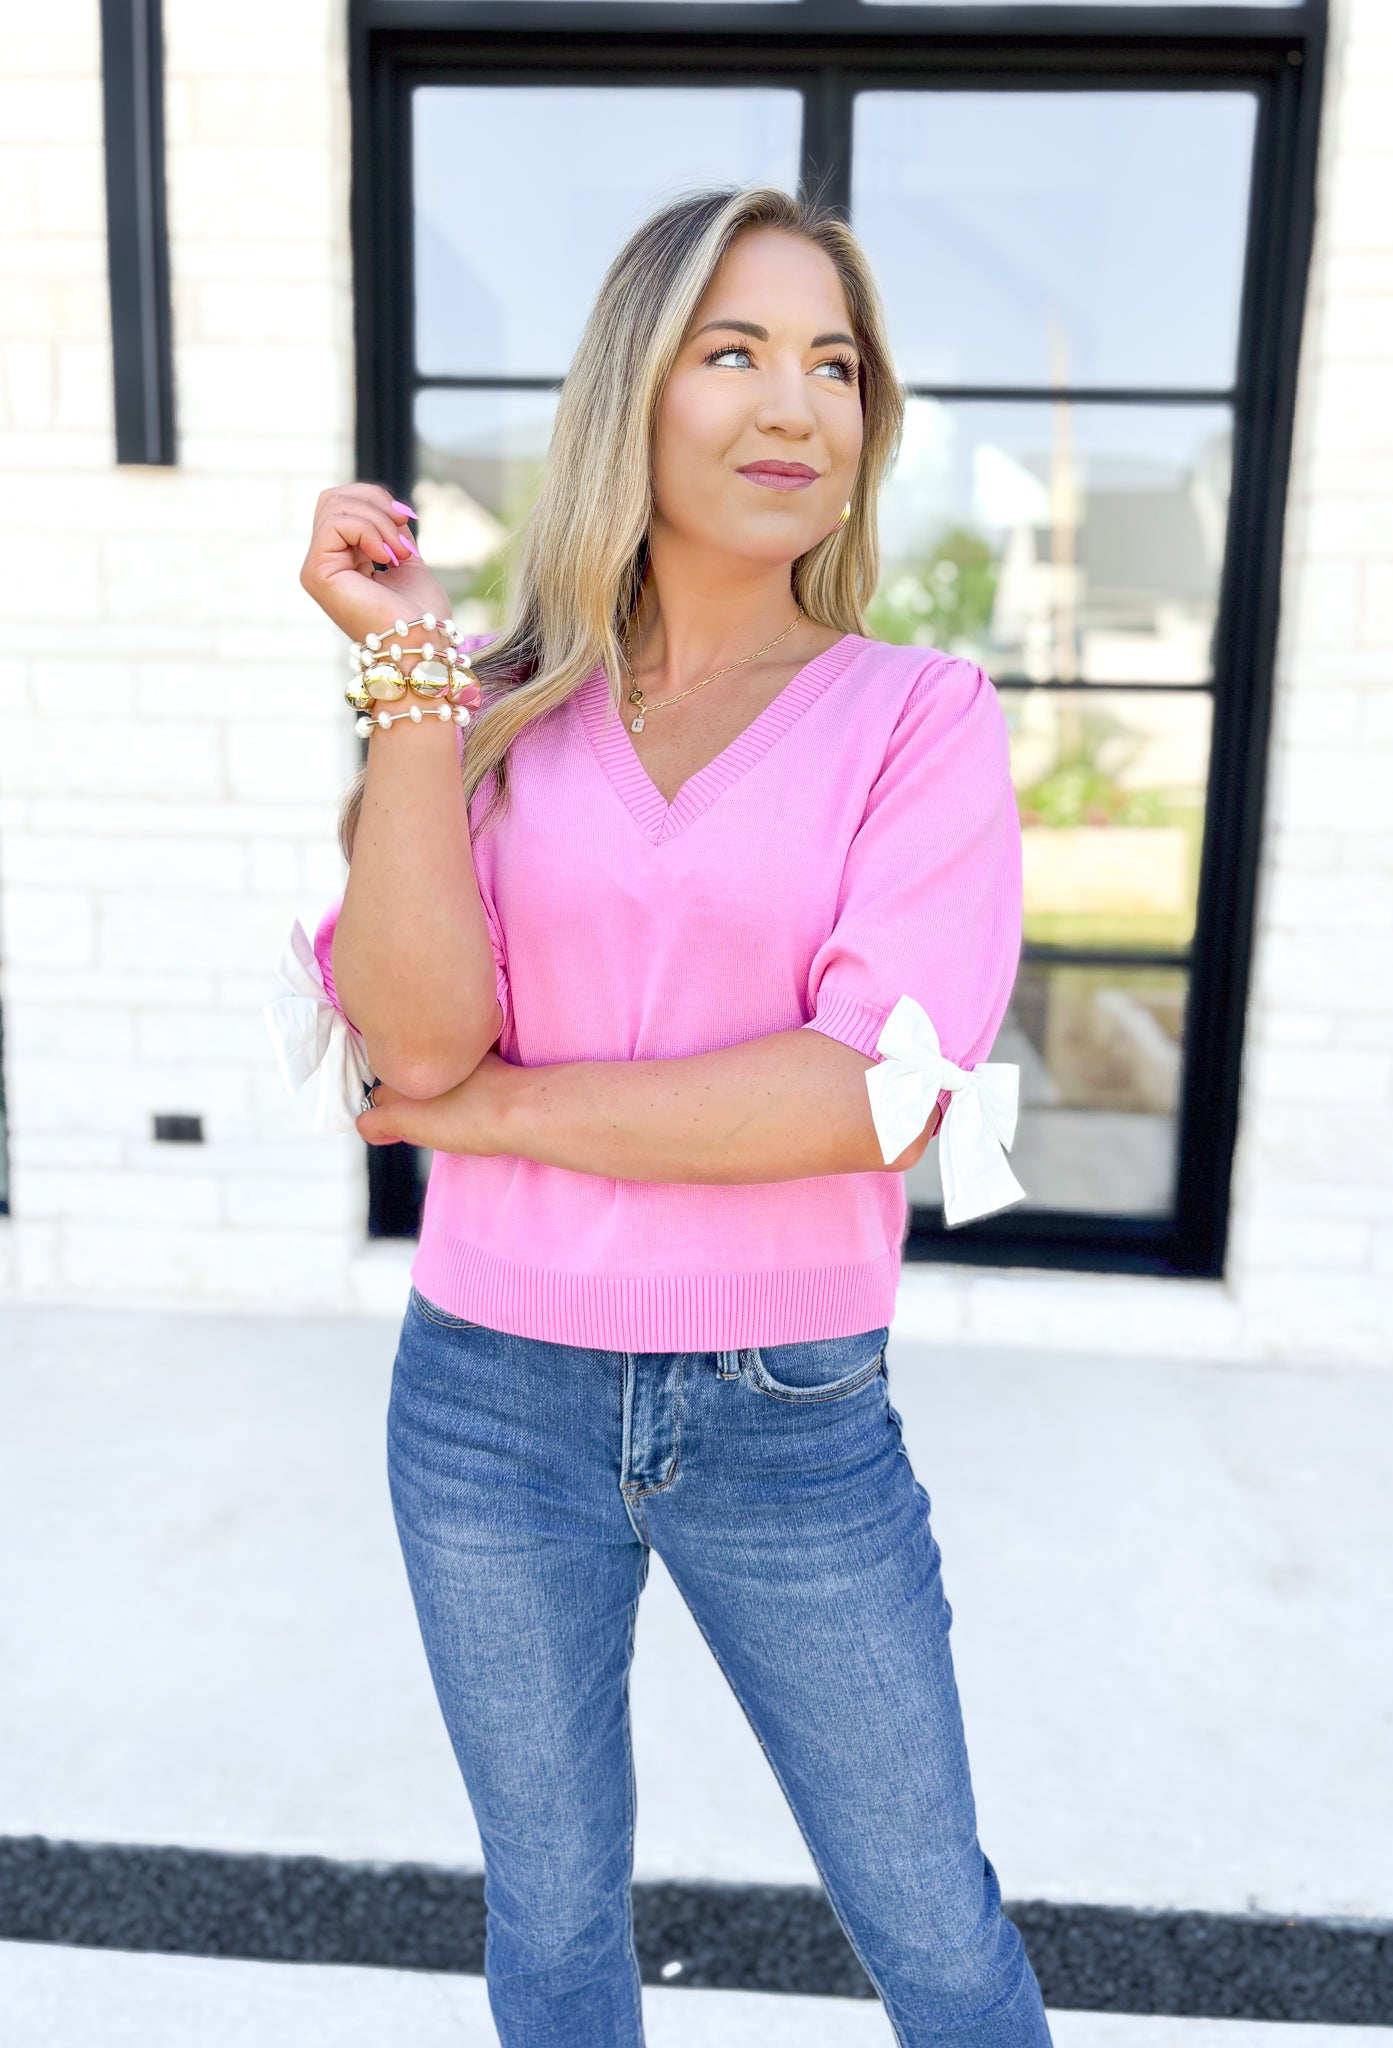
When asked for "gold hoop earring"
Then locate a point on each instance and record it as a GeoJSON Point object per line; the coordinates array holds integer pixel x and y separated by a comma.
{"type": "Point", "coordinates": [846, 513]}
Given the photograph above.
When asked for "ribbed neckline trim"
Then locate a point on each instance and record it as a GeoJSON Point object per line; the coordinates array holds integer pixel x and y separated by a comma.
{"type": "Point", "coordinates": [655, 817]}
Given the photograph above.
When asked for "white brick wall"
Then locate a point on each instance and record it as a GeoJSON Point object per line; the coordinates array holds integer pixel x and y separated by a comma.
{"type": "Point", "coordinates": [1313, 1211]}
{"type": "Point", "coordinates": [153, 854]}
{"type": "Point", "coordinates": [149, 869]}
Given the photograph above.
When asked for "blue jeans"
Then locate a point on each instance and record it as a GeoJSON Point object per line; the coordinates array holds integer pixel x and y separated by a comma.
{"type": "Point", "coordinates": [530, 1482]}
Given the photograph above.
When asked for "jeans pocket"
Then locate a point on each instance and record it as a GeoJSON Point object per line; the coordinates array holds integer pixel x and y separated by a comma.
{"type": "Point", "coordinates": [825, 1369]}
{"type": "Point", "coordinates": [441, 1317]}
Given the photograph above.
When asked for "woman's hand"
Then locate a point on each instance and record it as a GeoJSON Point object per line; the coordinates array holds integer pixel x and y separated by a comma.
{"type": "Point", "coordinates": [468, 1118]}
{"type": "Point", "coordinates": [356, 525]}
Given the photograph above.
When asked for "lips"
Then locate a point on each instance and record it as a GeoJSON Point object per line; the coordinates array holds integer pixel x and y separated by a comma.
{"type": "Point", "coordinates": [780, 476]}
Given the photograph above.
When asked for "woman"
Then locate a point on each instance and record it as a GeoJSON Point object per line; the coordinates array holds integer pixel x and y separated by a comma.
{"type": "Point", "coordinates": [628, 977]}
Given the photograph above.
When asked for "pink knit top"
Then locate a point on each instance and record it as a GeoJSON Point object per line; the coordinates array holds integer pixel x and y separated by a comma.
{"type": "Point", "coordinates": [857, 842]}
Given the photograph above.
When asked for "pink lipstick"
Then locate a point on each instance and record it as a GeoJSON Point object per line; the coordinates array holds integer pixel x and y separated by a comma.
{"type": "Point", "coordinates": [780, 476]}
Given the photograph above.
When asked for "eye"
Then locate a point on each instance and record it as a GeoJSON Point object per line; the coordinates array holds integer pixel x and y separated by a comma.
{"type": "Point", "coordinates": [731, 348]}
{"type": "Point", "coordinates": [844, 366]}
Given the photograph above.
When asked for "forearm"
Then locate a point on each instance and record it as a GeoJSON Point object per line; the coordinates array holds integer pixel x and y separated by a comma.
{"type": "Point", "coordinates": [412, 964]}
{"type": "Point", "coordinates": [791, 1106]}
{"type": "Point", "coordinates": [412, 961]}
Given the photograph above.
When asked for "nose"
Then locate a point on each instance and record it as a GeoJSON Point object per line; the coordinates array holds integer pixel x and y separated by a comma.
{"type": "Point", "coordinates": [785, 406]}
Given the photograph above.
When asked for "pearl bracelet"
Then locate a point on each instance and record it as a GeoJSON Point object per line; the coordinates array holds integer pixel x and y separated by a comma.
{"type": "Point", "coordinates": [383, 721]}
{"type": "Point", "coordinates": [378, 676]}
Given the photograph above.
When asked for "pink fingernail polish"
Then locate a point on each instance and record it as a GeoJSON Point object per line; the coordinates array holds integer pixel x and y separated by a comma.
{"type": "Point", "coordinates": [404, 540]}
{"type": "Point", "coordinates": [398, 506]}
{"type": "Point", "coordinates": [390, 556]}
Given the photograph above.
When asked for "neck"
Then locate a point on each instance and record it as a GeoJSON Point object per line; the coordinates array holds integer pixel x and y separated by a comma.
{"type": "Point", "coordinates": [699, 609]}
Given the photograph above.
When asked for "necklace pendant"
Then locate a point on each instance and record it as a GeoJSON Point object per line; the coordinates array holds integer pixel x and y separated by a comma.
{"type": "Point", "coordinates": [636, 724]}
{"type": "Point", "coordinates": [636, 695]}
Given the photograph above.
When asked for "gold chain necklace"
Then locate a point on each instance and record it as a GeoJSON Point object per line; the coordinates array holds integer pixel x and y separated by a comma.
{"type": "Point", "coordinates": [642, 705]}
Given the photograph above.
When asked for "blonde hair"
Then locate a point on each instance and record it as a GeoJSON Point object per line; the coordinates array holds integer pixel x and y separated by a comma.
{"type": "Point", "coordinates": [583, 553]}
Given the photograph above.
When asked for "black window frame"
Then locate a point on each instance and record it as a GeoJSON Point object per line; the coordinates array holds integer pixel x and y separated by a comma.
{"type": "Point", "coordinates": [142, 341]}
{"type": "Point", "coordinates": [831, 49]}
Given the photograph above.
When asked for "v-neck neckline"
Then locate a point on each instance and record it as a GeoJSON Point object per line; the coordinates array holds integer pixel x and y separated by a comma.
{"type": "Point", "coordinates": [655, 817]}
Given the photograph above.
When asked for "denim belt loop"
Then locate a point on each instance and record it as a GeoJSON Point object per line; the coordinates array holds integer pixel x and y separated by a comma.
{"type": "Point", "coordinates": [728, 1365]}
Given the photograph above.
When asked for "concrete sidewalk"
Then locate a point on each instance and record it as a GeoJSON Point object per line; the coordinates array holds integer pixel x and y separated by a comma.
{"type": "Point", "coordinates": [1173, 1628]}
{"type": "Point", "coordinates": [80, 1998]}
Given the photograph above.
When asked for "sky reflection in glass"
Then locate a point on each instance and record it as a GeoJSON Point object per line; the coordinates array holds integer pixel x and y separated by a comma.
{"type": "Point", "coordinates": [1088, 238]}
{"type": "Point", "coordinates": [507, 266]}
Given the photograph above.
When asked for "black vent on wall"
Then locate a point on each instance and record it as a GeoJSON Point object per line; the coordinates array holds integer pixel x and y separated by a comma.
{"type": "Point", "coordinates": [179, 1130]}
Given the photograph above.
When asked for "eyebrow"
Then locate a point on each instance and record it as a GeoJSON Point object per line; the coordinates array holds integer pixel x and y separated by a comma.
{"type": "Point", "coordinates": [762, 333]}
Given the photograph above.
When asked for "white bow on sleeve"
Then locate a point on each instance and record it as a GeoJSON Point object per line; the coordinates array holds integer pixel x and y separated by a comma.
{"type": "Point", "coordinates": [308, 1032]}
{"type": "Point", "coordinates": [979, 1123]}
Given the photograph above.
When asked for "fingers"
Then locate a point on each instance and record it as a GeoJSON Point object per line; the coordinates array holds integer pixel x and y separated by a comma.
{"type": "Point", "coordinates": [392, 1120]}
{"type": "Point", "coordinates": [377, 502]}
{"type": "Point", "coordinates": [378, 538]}
{"type": "Point", "coordinates": [364, 523]}
{"type": "Point", "coordinates": [381, 1127]}
{"type": "Point", "coordinates": [361, 536]}
{"type": "Point", "coordinates": [375, 498]}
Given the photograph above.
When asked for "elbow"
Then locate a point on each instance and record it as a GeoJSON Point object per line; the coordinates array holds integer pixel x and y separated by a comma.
{"type": "Point", "coordinates": [422, 1079]}
{"type": "Point", "coordinates": [912, 1154]}
{"type": "Point", "coordinates": [909, 1157]}
{"type": "Point", "coordinates": [423, 1071]}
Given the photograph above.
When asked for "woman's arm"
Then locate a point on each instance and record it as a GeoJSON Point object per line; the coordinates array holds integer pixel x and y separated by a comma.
{"type": "Point", "coordinates": [412, 960]}
{"type": "Point", "coordinates": [787, 1107]}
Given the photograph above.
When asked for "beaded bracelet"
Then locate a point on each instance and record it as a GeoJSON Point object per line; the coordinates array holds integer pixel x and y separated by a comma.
{"type": "Point", "coordinates": [379, 678]}
{"type": "Point", "coordinates": [383, 721]}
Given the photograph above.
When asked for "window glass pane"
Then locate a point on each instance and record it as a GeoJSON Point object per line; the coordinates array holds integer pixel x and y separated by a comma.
{"type": "Point", "coordinates": [477, 460]}
{"type": "Point", "coordinates": [507, 266]}
{"type": "Point", "coordinates": [1099, 1051]}
{"type": "Point", "coordinates": [1048, 238]}
{"type": "Point", "coordinates": [1074, 543]}
{"type": "Point", "coordinates": [1110, 785]}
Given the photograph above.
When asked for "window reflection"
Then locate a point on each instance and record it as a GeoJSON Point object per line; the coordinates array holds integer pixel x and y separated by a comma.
{"type": "Point", "coordinates": [1073, 543]}
{"type": "Point", "coordinates": [1110, 785]}
{"type": "Point", "coordinates": [479, 456]}
{"type": "Point", "coordinates": [505, 271]}
{"type": "Point", "coordinates": [1057, 238]}
{"type": "Point", "coordinates": [1099, 1051]}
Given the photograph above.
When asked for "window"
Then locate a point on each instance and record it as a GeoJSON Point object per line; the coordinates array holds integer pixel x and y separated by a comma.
{"type": "Point", "coordinates": [491, 348]}
{"type": "Point", "coordinates": [1092, 244]}
{"type": "Point", "coordinates": [1080, 243]}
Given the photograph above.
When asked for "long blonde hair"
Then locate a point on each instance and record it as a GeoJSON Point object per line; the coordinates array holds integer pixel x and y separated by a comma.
{"type": "Point", "coordinates": [583, 550]}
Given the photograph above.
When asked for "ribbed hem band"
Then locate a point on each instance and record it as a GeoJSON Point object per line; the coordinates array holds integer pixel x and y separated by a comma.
{"type": "Point", "coordinates": [659, 1312]}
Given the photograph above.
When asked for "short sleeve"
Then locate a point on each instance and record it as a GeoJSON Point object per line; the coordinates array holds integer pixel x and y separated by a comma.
{"type": "Point", "coordinates": [324, 953]}
{"type": "Point", "coordinates": [930, 900]}
{"type": "Point", "coordinates": [500, 956]}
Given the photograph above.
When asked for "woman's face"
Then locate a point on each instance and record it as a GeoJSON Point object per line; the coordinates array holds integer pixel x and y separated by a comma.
{"type": "Point", "coordinates": [759, 426]}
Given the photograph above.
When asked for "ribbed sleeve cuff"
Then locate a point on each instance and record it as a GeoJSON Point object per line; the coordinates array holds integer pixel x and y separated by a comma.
{"type": "Point", "coordinates": [851, 1021]}
{"type": "Point", "coordinates": [859, 1025]}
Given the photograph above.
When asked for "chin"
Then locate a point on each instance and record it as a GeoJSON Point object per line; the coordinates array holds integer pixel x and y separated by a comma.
{"type": "Point", "coordinates": [767, 541]}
